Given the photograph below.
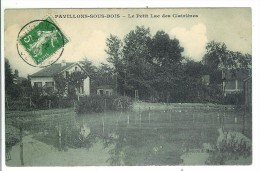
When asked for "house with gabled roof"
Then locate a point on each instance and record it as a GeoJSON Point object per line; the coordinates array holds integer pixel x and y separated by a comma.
{"type": "Point", "coordinates": [45, 77]}
{"type": "Point", "coordinates": [233, 82]}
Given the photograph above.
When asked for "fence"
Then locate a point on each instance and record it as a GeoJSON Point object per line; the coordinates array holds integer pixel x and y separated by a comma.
{"type": "Point", "coordinates": [27, 104]}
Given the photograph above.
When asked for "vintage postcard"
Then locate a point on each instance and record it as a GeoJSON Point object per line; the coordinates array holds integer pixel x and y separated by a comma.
{"type": "Point", "coordinates": [128, 87]}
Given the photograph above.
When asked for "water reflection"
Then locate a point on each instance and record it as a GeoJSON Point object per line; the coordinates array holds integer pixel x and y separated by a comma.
{"type": "Point", "coordinates": [139, 138]}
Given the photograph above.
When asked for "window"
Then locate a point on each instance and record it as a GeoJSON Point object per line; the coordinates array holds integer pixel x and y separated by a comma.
{"type": "Point", "coordinates": [67, 74]}
{"type": "Point", "coordinates": [231, 84]}
{"type": "Point", "coordinates": [49, 86]}
{"type": "Point", "coordinates": [38, 84]}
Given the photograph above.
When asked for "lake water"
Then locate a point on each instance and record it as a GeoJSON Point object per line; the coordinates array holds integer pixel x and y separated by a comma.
{"type": "Point", "coordinates": [165, 137]}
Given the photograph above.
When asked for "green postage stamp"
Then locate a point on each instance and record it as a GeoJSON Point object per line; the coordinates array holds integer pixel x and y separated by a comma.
{"type": "Point", "coordinates": [42, 41]}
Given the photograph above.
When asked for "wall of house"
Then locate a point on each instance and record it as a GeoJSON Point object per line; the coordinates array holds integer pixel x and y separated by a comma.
{"type": "Point", "coordinates": [108, 92]}
{"type": "Point", "coordinates": [86, 85]}
{"type": "Point", "coordinates": [43, 80]}
{"type": "Point", "coordinates": [232, 86]}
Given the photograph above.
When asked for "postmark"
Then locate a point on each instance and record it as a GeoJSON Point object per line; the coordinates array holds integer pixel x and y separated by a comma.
{"type": "Point", "coordinates": [40, 43]}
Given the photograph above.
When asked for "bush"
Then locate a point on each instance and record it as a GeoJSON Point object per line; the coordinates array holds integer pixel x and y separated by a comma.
{"type": "Point", "coordinates": [97, 104]}
{"type": "Point", "coordinates": [18, 105]}
{"type": "Point", "coordinates": [234, 99]}
{"type": "Point", "coordinates": [232, 147]}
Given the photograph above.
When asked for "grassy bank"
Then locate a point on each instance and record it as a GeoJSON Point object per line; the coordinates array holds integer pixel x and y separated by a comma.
{"type": "Point", "coordinates": [144, 106]}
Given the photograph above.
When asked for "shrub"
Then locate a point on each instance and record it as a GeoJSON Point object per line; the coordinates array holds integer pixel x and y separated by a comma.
{"type": "Point", "coordinates": [234, 99]}
{"type": "Point", "coordinates": [97, 104]}
{"type": "Point", "coordinates": [230, 147]}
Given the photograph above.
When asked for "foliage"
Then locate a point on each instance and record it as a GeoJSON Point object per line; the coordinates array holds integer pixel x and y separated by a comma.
{"type": "Point", "coordinates": [99, 75]}
{"type": "Point", "coordinates": [234, 99]}
{"type": "Point", "coordinates": [60, 84]}
{"type": "Point", "coordinates": [96, 104]}
{"type": "Point", "coordinates": [19, 105]}
{"type": "Point", "coordinates": [16, 87]}
{"type": "Point", "coordinates": [218, 58]}
{"type": "Point", "coordinates": [8, 77]}
{"type": "Point", "coordinates": [229, 149]}
{"type": "Point", "coordinates": [76, 79]}
{"type": "Point", "coordinates": [148, 64]}
{"type": "Point", "coordinates": [66, 87]}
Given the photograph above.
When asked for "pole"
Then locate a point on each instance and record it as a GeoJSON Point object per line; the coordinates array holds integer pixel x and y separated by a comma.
{"type": "Point", "coordinates": [140, 117]}
{"type": "Point", "coordinates": [103, 124]}
{"type": "Point", "coordinates": [7, 105]}
{"type": "Point", "coordinates": [21, 145]}
{"type": "Point", "coordinates": [128, 120]}
{"type": "Point", "coordinates": [149, 115]}
{"type": "Point", "coordinates": [105, 109]}
{"type": "Point", "coordinates": [116, 83]}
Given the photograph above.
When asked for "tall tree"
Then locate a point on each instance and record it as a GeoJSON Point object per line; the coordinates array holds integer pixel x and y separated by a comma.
{"type": "Point", "coordinates": [115, 57]}
{"type": "Point", "coordinates": [165, 55]}
{"type": "Point", "coordinates": [137, 70]}
{"type": "Point", "coordinates": [148, 64]}
{"type": "Point", "coordinates": [60, 84]}
{"type": "Point", "coordinates": [89, 67]}
{"type": "Point", "coordinates": [218, 58]}
{"type": "Point", "coordinates": [8, 77]}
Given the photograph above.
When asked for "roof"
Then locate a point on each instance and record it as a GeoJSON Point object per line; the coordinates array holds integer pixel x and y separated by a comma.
{"type": "Point", "coordinates": [238, 74]}
{"type": "Point", "coordinates": [52, 70]}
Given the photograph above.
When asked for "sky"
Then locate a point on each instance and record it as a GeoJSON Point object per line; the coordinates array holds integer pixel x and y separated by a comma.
{"type": "Point", "coordinates": [87, 36]}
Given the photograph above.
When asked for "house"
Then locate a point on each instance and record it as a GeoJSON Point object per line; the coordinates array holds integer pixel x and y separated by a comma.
{"type": "Point", "coordinates": [248, 91]}
{"type": "Point", "coordinates": [105, 90]}
{"type": "Point", "coordinates": [233, 82]}
{"type": "Point", "coordinates": [45, 77]}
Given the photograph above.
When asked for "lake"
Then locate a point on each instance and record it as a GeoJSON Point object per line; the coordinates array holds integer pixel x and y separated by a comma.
{"type": "Point", "coordinates": [132, 138]}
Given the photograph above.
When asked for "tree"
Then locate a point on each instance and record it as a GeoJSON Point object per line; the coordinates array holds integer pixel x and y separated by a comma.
{"type": "Point", "coordinates": [165, 56]}
{"type": "Point", "coordinates": [137, 69]}
{"type": "Point", "coordinates": [16, 73]}
{"type": "Point", "coordinates": [218, 58]}
{"type": "Point", "coordinates": [148, 64]}
{"type": "Point", "coordinates": [114, 51]}
{"type": "Point", "coordinates": [75, 81]}
{"type": "Point", "coordinates": [89, 67]}
{"type": "Point", "coordinates": [8, 78]}
{"type": "Point", "coordinates": [60, 84]}
{"type": "Point", "coordinates": [115, 57]}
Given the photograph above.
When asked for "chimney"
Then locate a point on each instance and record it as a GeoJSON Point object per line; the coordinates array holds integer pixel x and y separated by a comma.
{"type": "Point", "coordinates": [63, 63]}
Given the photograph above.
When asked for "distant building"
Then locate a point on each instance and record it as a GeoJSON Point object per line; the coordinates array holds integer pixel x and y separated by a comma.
{"type": "Point", "coordinates": [248, 91]}
{"type": "Point", "coordinates": [233, 82]}
{"type": "Point", "coordinates": [45, 77]}
{"type": "Point", "coordinates": [105, 90]}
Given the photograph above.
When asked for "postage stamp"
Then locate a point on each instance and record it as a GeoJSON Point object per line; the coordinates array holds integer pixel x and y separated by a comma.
{"type": "Point", "coordinates": [41, 42]}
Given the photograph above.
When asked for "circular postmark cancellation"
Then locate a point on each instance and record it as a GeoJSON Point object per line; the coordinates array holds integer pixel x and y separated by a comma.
{"type": "Point", "coordinates": [40, 43]}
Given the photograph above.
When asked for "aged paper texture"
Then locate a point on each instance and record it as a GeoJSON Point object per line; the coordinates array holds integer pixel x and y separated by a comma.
{"type": "Point", "coordinates": [128, 87]}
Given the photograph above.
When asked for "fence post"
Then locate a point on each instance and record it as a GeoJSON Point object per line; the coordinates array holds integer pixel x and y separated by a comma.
{"type": "Point", "coordinates": [149, 116]}
{"type": "Point", "coordinates": [49, 104]}
{"type": "Point", "coordinates": [7, 105]}
{"type": "Point", "coordinates": [21, 145]}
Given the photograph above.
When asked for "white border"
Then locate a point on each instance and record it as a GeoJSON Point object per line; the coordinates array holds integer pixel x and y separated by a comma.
{"type": "Point", "coordinates": [255, 6]}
